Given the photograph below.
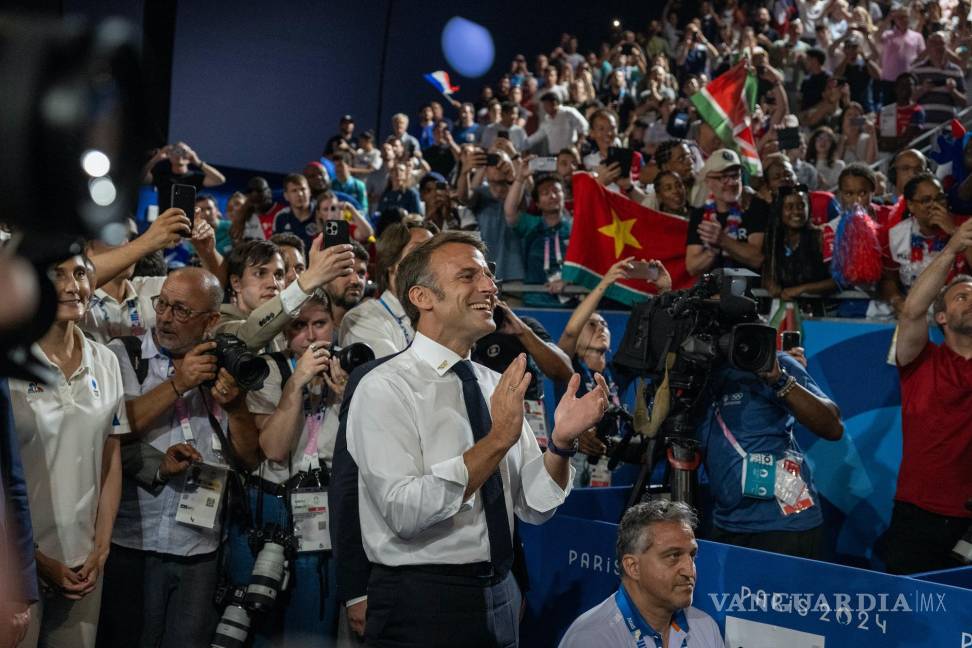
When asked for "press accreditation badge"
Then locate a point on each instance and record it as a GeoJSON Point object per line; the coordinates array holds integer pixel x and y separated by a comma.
{"type": "Point", "coordinates": [759, 476]}
{"type": "Point", "coordinates": [600, 474]}
{"type": "Point", "coordinates": [202, 495]}
{"type": "Point", "coordinates": [310, 511]}
{"type": "Point", "coordinates": [534, 414]}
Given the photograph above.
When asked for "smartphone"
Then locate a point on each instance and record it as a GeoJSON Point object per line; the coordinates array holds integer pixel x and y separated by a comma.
{"type": "Point", "coordinates": [184, 197]}
{"type": "Point", "coordinates": [788, 138]}
{"type": "Point", "coordinates": [858, 121]}
{"type": "Point", "coordinates": [627, 48]}
{"type": "Point", "coordinates": [492, 159]}
{"type": "Point", "coordinates": [622, 156]}
{"type": "Point", "coordinates": [790, 339]}
{"type": "Point", "coordinates": [543, 165]}
{"type": "Point", "coordinates": [504, 134]}
{"type": "Point", "coordinates": [336, 233]}
{"type": "Point", "coordinates": [643, 270]}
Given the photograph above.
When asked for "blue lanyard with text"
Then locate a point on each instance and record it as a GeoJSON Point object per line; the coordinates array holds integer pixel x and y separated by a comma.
{"type": "Point", "coordinates": [636, 624]}
{"type": "Point", "coordinates": [398, 320]}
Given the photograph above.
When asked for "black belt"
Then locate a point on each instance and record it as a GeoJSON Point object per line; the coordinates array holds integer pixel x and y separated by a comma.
{"type": "Point", "coordinates": [482, 571]}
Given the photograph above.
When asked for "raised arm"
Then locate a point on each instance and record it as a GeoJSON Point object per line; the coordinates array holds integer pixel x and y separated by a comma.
{"type": "Point", "coordinates": [913, 322]}
{"type": "Point", "coordinates": [167, 230]}
{"type": "Point", "coordinates": [514, 197]}
{"type": "Point", "coordinates": [584, 310]}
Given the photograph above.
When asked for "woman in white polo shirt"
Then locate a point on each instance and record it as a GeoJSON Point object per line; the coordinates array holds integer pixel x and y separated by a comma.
{"type": "Point", "coordinates": [67, 434]}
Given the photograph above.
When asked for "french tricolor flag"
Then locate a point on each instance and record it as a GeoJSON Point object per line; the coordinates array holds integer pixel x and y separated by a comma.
{"type": "Point", "coordinates": [440, 81]}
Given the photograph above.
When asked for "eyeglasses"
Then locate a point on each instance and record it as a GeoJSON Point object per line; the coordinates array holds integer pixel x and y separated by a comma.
{"type": "Point", "coordinates": [925, 201]}
{"type": "Point", "coordinates": [179, 312]}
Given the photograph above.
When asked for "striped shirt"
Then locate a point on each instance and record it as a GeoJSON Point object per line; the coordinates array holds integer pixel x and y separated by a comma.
{"type": "Point", "coordinates": [939, 104]}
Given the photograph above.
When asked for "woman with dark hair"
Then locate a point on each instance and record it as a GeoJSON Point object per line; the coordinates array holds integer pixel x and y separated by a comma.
{"type": "Point", "coordinates": [822, 154]}
{"type": "Point", "coordinates": [914, 242]}
{"type": "Point", "coordinates": [68, 431]}
{"type": "Point", "coordinates": [793, 249]}
{"type": "Point", "coordinates": [671, 193]}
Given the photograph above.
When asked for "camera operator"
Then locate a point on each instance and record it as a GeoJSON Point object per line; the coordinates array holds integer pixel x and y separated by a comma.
{"type": "Point", "coordinates": [381, 323]}
{"type": "Point", "coordinates": [260, 305]}
{"type": "Point", "coordinates": [68, 437]}
{"type": "Point", "coordinates": [936, 389]}
{"type": "Point", "coordinates": [748, 425]}
{"type": "Point", "coordinates": [297, 413]}
{"type": "Point", "coordinates": [163, 565]}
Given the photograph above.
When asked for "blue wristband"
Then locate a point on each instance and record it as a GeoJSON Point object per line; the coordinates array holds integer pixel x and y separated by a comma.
{"type": "Point", "coordinates": [552, 447]}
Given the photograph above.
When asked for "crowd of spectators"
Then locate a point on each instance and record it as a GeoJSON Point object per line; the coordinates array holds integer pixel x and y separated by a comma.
{"type": "Point", "coordinates": [128, 554]}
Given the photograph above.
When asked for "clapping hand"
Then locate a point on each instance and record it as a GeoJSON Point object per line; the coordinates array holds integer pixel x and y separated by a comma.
{"type": "Point", "coordinates": [576, 415]}
{"type": "Point", "coordinates": [506, 403]}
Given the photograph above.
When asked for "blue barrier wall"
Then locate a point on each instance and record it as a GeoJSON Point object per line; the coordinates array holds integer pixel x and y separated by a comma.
{"type": "Point", "coordinates": [765, 600]}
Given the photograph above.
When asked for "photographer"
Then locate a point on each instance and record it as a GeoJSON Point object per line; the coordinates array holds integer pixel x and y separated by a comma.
{"type": "Point", "coordinates": [297, 414]}
{"type": "Point", "coordinates": [260, 303]}
{"type": "Point", "coordinates": [176, 394]}
{"type": "Point", "coordinates": [748, 425]}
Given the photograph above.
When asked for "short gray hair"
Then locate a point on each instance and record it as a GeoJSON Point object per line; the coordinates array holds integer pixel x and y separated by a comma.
{"type": "Point", "coordinates": [416, 268]}
{"type": "Point", "coordinates": [634, 532]}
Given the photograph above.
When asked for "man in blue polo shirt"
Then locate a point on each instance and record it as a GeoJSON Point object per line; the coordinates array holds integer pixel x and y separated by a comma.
{"type": "Point", "coordinates": [762, 487]}
{"type": "Point", "coordinates": [653, 606]}
{"type": "Point", "coordinates": [544, 237]}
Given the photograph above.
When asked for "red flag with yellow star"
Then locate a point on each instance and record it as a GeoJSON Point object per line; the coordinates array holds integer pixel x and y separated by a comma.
{"type": "Point", "coordinates": [609, 227]}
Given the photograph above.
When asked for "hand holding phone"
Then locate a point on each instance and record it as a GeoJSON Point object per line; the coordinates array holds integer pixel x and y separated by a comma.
{"type": "Point", "coordinates": [336, 232]}
{"type": "Point", "coordinates": [643, 270]}
{"type": "Point", "coordinates": [790, 339]}
{"type": "Point", "coordinates": [184, 197]}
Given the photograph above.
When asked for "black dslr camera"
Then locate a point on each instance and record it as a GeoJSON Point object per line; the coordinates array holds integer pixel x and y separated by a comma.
{"type": "Point", "coordinates": [247, 368]}
{"type": "Point", "coordinates": [352, 356]}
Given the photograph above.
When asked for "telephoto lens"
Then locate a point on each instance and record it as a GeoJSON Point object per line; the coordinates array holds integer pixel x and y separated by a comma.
{"type": "Point", "coordinates": [247, 368]}
{"type": "Point", "coordinates": [268, 579]}
{"type": "Point", "coordinates": [233, 628]}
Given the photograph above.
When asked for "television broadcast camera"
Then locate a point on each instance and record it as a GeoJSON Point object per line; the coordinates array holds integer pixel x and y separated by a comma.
{"type": "Point", "coordinates": [675, 341]}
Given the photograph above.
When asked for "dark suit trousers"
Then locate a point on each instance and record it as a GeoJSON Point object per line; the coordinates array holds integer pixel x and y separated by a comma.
{"type": "Point", "coordinates": [415, 607]}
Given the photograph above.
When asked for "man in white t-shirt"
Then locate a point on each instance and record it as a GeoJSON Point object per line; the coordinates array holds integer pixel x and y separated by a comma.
{"type": "Point", "coordinates": [656, 550]}
{"type": "Point", "coordinates": [561, 126]}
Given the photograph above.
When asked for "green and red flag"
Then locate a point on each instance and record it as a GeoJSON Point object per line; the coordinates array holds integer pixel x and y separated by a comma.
{"type": "Point", "coordinates": [726, 104]}
{"type": "Point", "coordinates": [609, 227]}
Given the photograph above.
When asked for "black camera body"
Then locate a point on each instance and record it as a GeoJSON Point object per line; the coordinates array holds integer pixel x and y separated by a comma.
{"type": "Point", "coordinates": [352, 356]}
{"type": "Point", "coordinates": [248, 369]}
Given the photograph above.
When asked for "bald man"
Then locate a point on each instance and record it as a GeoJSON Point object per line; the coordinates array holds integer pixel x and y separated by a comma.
{"type": "Point", "coordinates": [162, 571]}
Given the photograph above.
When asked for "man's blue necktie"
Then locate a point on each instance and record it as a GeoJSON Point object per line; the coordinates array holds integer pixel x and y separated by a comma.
{"type": "Point", "coordinates": [494, 502]}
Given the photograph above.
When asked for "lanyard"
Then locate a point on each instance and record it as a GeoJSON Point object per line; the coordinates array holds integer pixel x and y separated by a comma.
{"type": "Point", "coordinates": [546, 251]}
{"type": "Point", "coordinates": [636, 624]}
{"type": "Point", "coordinates": [398, 320]}
{"type": "Point", "coordinates": [732, 439]}
{"type": "Point", "coordinates": [312, 423]}
{"type": "Point", "coordinates": [181, 408]}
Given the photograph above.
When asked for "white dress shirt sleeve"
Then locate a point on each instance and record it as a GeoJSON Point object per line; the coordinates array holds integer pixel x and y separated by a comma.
{"type": "Point", "coordinates": [292, 298]}
{"type": "Point", "coordinates": [539, 495]}
{"type": "Point", "coordinates": [383, 439]}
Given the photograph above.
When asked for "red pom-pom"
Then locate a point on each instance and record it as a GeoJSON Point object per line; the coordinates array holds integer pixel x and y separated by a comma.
{"type": "Point", "coordinates": [858, 250]}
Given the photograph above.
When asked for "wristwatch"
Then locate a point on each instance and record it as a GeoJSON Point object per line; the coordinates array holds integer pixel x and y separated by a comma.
{"type": "Point", "coordinates": [560, 452]}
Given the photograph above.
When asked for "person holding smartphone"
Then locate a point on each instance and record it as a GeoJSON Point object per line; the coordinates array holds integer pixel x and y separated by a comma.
{"type": "Point", "coordinates": [170, 165]}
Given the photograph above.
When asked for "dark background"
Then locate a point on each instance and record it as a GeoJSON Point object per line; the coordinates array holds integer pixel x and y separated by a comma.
{"type": "Point", "coordinates": [261, 85]}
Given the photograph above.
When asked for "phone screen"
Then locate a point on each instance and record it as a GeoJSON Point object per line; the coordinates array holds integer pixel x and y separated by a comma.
{"type": "Point", "coordinates": [623, 157]}
{"type": "Point", "coordinates": [790, 339]}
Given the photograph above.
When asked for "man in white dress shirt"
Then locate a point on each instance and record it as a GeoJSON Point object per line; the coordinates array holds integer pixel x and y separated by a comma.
{"type": "Point", "coordinates": [441, 473]}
